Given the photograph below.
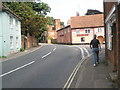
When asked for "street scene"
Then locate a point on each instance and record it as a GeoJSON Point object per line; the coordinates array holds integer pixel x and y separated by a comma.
{"type": "Point", "coordinates": [45, 46]}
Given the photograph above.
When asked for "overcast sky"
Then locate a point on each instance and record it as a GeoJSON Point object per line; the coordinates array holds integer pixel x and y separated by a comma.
{"type": "Point", "coordinates": [64, 9]}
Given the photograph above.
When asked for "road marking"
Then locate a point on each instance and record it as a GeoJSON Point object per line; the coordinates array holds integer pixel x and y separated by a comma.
{"type": "Point", "coordinates": [86, 51]}
{"type": "Point", "coordinates": [73, 74]}
{"type": "Point", "coordinates": [54, 49]}
{"type": "Point", "coordinates": [46, 55]}
{"type": "Point", "coordinates": [17, 69]}
{"type": "Point", "coordinates": [82, 52]}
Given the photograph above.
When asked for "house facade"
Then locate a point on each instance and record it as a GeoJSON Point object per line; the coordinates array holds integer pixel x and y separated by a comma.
{"type": "Point", "coordinates": [10, 32]}
{"type": "Point", "coordinates": [64, 35]}
{"type": "Point", "coordinates": [51, 34]}
{"type": "Point", "coordinates": [112, 34]}
{"type": "Point", "coordinates": [82, 29]}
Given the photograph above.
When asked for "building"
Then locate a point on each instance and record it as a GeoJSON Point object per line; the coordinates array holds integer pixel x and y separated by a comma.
{"type": "Point", "coordinates": [51, 34]}
{"type": "Point", "coordinates": [112, 34]}
{"type": "Point", "coordinates": [10, 32]}
{"type": "Point", "coordinates": [82, 29]}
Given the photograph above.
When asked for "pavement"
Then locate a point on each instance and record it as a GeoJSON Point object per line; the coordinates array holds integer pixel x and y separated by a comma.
{"type": "Point", "coordinates": [18, 54]}
{"type": "Point", "coordinates": [89, 76]}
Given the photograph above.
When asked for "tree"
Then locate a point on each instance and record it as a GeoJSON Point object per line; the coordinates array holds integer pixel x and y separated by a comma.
{"type": "Point", "coordinates": [50, 20]}
{"type": "Point", "coordinates": [41, 8]}
{"type": "Point", "coordinates": [36, 25]}
{"type": "Point", "coordinates": [32, 16]}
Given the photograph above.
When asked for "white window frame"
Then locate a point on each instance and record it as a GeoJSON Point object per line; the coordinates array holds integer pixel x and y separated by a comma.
{"type": "Point", "coordinates": [77, 31]}
{"type": "Point", "coordinates": [68, 29]}
{"type": "Point", "coordinates": [83, 39]}
{"type": "Point", "coordinates": [109, 36]}
{"type": "Point", "coordinates": [17, 43]}
{"type": "Point", "coordinates": [88, 31]}
{"type": "Point", "coordinates": [65, 31]}
{"type": "Point", "coordinates": [16, 25]}
{"type": "Point", "coordinates": [109, 23]}
{"type": "Point", "coordinates": [11, 22]}
{"type": "Point", "coordinates": [11, 42]}
{"type": "Point", "coordinates": [99, 29]}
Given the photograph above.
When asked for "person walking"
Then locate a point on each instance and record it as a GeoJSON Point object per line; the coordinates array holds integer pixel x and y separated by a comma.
{"type": "Point", "coordinates": [95, 45]}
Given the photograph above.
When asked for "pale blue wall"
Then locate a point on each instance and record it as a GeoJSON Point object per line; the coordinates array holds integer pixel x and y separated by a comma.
{"type": "Point", "coordinates": [7, 32]}
{"type": "Point", "coordinates": [0, 35]}
{"type": "Point", "coordinates": [5, 29]}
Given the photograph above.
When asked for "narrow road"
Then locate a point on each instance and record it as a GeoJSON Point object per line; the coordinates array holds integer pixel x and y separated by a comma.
{"type": "Point", "coordinates": [47, 67]}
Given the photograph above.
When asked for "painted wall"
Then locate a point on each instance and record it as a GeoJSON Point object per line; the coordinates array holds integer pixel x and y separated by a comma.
{"type": "Point", "coordinates": [1, 34]}
{"type": "Point", "coordinates": [79, 34]}
{"type": "Point", "coordinates": [7, 32]}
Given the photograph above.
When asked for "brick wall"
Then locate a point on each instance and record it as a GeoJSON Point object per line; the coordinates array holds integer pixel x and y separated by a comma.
{"type": "Point", "coordinates": [29, 41]}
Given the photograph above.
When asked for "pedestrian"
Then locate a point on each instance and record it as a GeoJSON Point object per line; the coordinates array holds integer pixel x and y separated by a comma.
{"type": "Point", "coordinates": [95, 46]}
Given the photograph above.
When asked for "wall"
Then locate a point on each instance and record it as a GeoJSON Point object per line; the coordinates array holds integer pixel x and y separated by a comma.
{"type": "Point", "coordinates": [78, 34]}
{"type": "Point", "coordinates": [1, 35]}
{"type": "Point", "coordinates": [29, 42]}
{"type": "Point", "coordinates": [64, 36]}
{"type": "Point", "coordinates": [110, 40]}
{"type": "Point", "coordinates": [7, 32]}
{"type": "Point", "coordinates": [76, 37]}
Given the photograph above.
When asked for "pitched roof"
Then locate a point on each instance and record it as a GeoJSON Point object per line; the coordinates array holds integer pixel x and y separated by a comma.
{"type": "Point", "coordinates": [87, 21]}
{"type": "Point", "coordinates": [7, 10]}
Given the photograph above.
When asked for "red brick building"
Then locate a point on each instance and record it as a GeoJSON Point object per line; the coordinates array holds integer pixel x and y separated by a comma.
{"type": "Point", "coordinates": [51, 34]}
{"type": "Point", "coordinates": [112, 34]}
{"type": "Point", "coordinates": [82, 29]}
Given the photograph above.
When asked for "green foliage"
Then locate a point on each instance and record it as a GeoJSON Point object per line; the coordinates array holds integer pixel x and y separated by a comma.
{"type": "Point", "coordinates": [3, 56]}
{"type": "Point", "coordinates": [54, 42]}
{"type": "Point", "coordinates": [62, 24]}
{"type": "Point", "coordinates": [22, 49]}
{"type": "Point", "coordinates": [50, 20]}
{"type": "Point", "coordinates": [41, 8]}
{"type": "Point", "coordinates": [32, 16]}
{"type": "Point", "coordinates": [49, 38]}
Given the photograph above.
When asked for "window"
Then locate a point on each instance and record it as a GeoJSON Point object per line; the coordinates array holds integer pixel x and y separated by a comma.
{"type": "Point", "coordinates": [16, 24]}
{"type": "Point", "coordinates": [99, 30]}
{"type": "Point", "coordinates": [77, 31]}
{"type": "Point", "coordinates": [11, 42]}
{"type": "Point", "coordinates": [52, 33]}
{"type": "Point", "coordinates": [109, 36]}
{"type": "Point", "coordinates": [65, 30]}
{"type": "Point", "coordinates": [87, 31]}
{"type": "Point", "coordinates": [17, 42]}
{"type": "Point", "coordinates": [83, 39]}
{"type": "Point", "coordinates": [68, 29]}
{"type": "Point", "coordinates": [11, 22]}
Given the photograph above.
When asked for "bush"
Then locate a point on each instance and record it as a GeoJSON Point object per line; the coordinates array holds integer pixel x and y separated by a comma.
{"type": "Point", "coordinates": [3, 56]}
{"type": "Point", "coordinates": [22, 49]}
{"type": "Point", "coordinates": [54, 42]}
{"type": "Point", "coordinates": [49, 38]}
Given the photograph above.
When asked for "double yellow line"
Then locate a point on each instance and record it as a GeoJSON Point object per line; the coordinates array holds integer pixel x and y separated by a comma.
{"type": "Point", "coordinates": [73, 74]}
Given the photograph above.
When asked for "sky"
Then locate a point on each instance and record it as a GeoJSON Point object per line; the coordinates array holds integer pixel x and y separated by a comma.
{"type": "Point", "coordinates": [64, 9]}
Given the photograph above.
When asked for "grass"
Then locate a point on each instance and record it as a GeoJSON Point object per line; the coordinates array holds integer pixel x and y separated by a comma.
{"type": "Point", "coordinates": [3, 56]}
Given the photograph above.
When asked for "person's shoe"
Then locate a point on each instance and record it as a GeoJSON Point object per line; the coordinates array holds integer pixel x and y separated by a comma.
{"type": "Point", "coordinates": [94, 65]}
{"type": "Point", "coordinates": [97, 62]}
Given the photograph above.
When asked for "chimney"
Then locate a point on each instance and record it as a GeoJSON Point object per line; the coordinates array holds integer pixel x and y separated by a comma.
{"type": "Point", "coordinates": [77, 14]}
{"type": "Point", "coordinates": [57, 24]}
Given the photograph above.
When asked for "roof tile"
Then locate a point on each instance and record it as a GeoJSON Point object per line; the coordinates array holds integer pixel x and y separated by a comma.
{"type": "Point", "coordinates": [87, 21]}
